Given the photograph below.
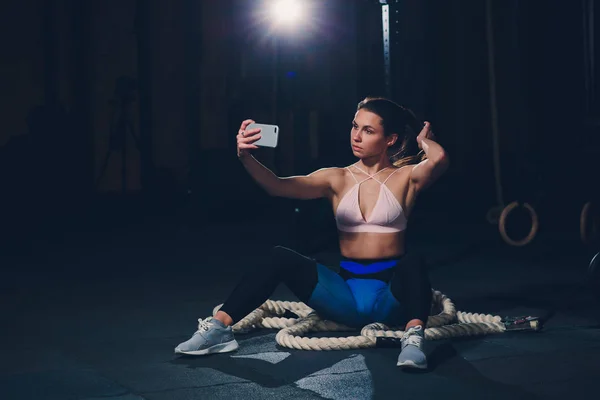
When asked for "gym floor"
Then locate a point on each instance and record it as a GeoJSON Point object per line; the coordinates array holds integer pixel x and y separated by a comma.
{"type": "Point", "coordinates": [90, 316]}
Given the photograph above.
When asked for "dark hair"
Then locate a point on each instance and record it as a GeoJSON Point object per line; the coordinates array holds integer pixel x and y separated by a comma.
{"type": "Point", "coordinates": [401, 121]}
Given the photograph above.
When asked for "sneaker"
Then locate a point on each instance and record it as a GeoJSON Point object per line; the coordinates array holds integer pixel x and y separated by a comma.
{"type": "Point", "coordinates": [212, 336]}
{"type": "Point", "coordinates": [412, 354]}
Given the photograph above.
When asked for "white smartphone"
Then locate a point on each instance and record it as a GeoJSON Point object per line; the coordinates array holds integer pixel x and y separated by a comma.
{"type": "Point", "coordinates": [268, 133]}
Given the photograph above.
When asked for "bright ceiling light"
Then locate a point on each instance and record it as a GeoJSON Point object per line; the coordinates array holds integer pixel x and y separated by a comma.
{"type": "Point", "coordinates": [286, 11]}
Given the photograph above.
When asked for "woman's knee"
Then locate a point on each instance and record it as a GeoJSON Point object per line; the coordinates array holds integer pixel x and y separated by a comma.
{"type": "Point", "coordinates": [285, 258]}
{"type": "Point", "coordinates": [279, 258]}
{"type": "Point", "coordinates": [298, 272]}
{"type": "Point", "coordinates": [411, 262]}
{"type": "Point", "coordinates": [279, 251]}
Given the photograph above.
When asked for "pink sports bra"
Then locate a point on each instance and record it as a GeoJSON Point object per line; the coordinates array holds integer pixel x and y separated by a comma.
{"type": "Point", "coordinates": [387, 215]}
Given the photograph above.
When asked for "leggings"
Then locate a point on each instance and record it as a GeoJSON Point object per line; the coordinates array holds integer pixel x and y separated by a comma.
{"type": "Point", "coordinates": [396, 292]}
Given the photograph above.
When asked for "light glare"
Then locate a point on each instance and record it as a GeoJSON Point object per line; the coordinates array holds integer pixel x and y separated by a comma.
{"type": "Point", "coordinates": [287, 11]}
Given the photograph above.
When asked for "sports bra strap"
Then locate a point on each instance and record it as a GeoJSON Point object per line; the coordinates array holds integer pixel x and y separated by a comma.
{"type": "Point", "coordinates": [390, 175]}
{"type": "Point", "coordinates": [352, 173]}
{"type": "Point", "coordinates": [369, 175]}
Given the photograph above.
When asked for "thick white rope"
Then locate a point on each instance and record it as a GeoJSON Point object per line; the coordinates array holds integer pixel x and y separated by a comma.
{"type": "Point", "coordinates": [448, 323]}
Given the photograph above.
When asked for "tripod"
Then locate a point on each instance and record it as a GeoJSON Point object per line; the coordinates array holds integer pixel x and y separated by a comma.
{"type": "Point", "coordinates": [121, 125]}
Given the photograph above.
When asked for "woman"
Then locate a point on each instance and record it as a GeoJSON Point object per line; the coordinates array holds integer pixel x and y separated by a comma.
{"type": "Point", "coordinates": [372, 200]}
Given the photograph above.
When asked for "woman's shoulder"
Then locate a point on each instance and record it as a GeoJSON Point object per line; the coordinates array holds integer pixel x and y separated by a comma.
{"type": "Point", "coordinates": [331, 171]}
{"type": "Point", "coordinates": [330, 174]}
{"type": "Point", "coordinates": [401, 174]}
{"type": "Point", "coordinates": [404, 169]}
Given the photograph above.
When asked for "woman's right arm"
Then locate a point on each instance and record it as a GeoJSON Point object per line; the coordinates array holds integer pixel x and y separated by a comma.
{"type": "Point", "coordinates": [313, 186]}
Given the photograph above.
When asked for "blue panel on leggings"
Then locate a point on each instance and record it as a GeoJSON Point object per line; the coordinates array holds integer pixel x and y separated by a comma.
{"type": "Point", "coordinates": [358, 268]}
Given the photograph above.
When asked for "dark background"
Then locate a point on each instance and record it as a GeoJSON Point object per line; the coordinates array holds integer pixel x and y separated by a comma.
{"type": "Point", "coordinates": [201, 67]}
{"type": "Point", "coordinates": [101, 277]}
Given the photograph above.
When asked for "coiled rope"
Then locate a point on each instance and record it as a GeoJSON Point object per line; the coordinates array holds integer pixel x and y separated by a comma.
{"type": "Point", "coordinates": [448, 323]}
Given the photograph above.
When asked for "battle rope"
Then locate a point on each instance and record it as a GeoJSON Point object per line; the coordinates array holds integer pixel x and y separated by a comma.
{"type": "Point", "coordinates": [440, 326]}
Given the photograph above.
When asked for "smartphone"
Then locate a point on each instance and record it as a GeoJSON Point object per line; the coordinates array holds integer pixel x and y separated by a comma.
{"type": "Point", "coordinates": [268, 133]}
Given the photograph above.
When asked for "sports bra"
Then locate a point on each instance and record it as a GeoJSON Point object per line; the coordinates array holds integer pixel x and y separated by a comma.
{"type": "Point", "coordinates": [387, 216]}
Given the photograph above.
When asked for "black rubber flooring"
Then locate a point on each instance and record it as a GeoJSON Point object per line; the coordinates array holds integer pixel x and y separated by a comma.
{"type": "Point", "coordinates": [96, 316]}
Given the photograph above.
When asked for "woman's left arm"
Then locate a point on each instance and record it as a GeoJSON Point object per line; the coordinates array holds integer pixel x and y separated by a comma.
{"type": "Point", "coordinates": [429, 170]}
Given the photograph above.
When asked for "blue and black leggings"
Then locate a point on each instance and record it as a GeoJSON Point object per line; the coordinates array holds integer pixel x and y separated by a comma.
{"type": "Point", "coordinates": [390, 291]}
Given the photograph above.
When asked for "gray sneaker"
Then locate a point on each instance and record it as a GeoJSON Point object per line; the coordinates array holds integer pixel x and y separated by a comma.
{"type": "Point", "coordinates": [212, 336]}
{"type": "Point", "coordinates": [412, 354]}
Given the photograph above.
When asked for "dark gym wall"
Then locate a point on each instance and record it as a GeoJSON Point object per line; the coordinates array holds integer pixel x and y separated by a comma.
{"type": "Point", "coordinates": [205, 66]}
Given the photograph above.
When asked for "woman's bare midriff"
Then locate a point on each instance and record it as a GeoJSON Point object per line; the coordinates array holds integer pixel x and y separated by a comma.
{"type": "Point", "coordinates": [366, 245]}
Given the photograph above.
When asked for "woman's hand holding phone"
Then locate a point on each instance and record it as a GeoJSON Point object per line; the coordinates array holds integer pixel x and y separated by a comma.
{"type": "Point", "coordinates": [246, 138]}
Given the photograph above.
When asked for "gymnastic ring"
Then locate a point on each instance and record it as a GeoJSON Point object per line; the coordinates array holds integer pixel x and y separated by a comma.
{"type": "Point", "coordinates": [583, 223]}
{"type": "Point", "coordinates": [532, 231]}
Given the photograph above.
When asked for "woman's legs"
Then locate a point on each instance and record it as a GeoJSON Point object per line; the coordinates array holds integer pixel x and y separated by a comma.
{"type": "Point", "coordinates": [411, 287]}
{"type": "Point", "coordinates": [406, 298]}
{"type": "Point", "coordinates": [297, 272]}
{"type": "Point", "coordinates": [215, 335]}
{"type": "Point", "coordinates": [404, 302]}
{"type": "Point", "coordinates": [314, 284]}
{"type": "Point", "coordinates": [334, 300]}
{"type": "Point", "coordinates": [398, 296]}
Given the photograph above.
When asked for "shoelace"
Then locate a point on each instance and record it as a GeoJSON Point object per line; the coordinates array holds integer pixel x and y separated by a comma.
{"type": "Point", "coordinates": [203, 325]}
{"type": "Point", "coordinates": [412, 338]}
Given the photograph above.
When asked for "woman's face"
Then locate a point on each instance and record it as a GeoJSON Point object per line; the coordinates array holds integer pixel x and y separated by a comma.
{"type": "Point", "coordinates": [366, 137]}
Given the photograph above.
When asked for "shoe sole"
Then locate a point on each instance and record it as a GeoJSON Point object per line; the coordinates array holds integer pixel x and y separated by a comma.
{"type": "Point", "coordinates": [411, 364]}
{"type": "Point", "coordinates": [218, 348]}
